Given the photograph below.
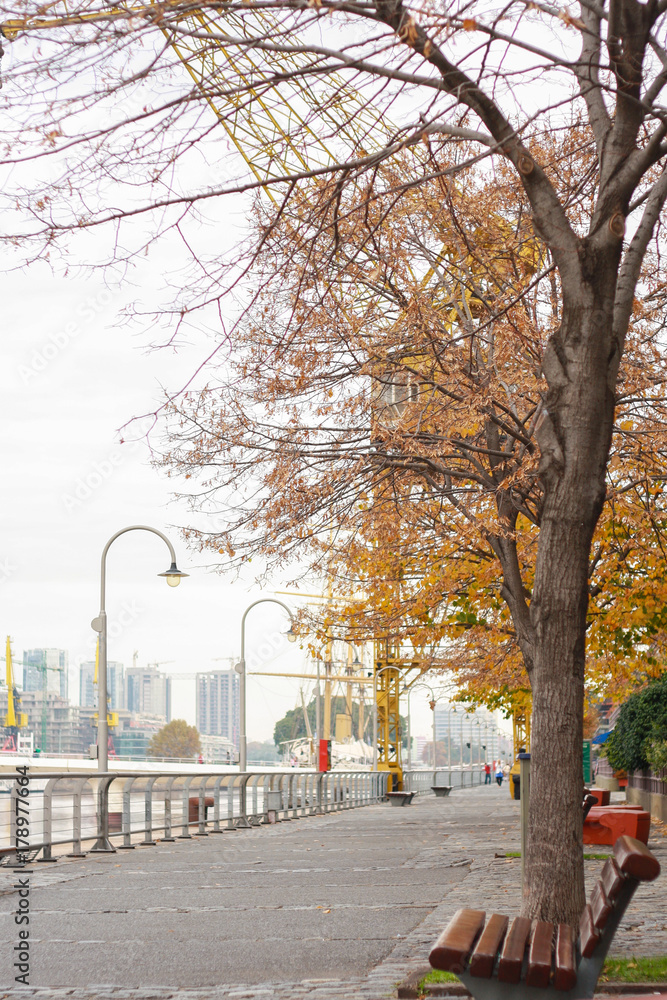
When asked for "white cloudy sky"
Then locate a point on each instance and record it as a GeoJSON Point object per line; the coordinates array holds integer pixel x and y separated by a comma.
{"type": "Point", "coordinates": [68, 484]}
{"type": "Point", "coordinates": [74, 372]}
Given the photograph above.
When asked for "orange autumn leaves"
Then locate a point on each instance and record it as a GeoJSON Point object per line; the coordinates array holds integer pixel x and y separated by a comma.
{"type": "Point", "coordinates": [375, 420]}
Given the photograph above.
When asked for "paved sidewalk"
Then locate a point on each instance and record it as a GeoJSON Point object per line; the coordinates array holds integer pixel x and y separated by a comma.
{"type": "Point", "coordinates": [321, 908]}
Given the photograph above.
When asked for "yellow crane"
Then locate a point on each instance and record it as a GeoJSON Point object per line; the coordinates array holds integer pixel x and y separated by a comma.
{"type": "Point", "coordinates": [522, 705]}
{"type": "Point", "coordinates": [261, 128]}
{"type": "Point", "coordinates": [15, 719]}
{"type": "Point", "coordinates": [112, 717]}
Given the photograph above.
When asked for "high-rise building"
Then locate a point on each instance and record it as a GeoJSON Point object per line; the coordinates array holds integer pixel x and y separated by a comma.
{"type": "Point", "coordinates": [53, 722]}
{"type": "Point", "coordinates": [471, 736]}
{"type": "Point", "coordinates": [45, 669]}
{"type": "Point", "coordinates": [218, 704]}
{"type": "Point", "coordinates": [115, 685]}
{"type": "Point", "coordinates": [148, 692]}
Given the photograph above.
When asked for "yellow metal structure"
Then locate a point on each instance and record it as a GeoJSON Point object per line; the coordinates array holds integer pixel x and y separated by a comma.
{"type": "Point", "coordinates": [390, 666]}
{"type": "Point", "coordinates": [14, 719]}
{"type": "Point", "coordinates": [261, 123]}
{"type": "Point", "coordinates": [112, 717]}
{"type": "Point", "coordinates": [523, 705]}
{"type": "Point", "coordinates": [262, 130]}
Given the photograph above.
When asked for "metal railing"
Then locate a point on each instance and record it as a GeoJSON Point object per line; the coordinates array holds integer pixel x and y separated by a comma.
{"type": "Point", "coordinates": [421, 782]}
{"type": "Point", "coordinates": [108, 811]}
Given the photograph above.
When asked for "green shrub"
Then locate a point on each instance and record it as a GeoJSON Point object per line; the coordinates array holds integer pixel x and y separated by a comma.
{"type": "Point", "coordinates": [641, 723]}
{"type": "Point", "coordinates": [657, 755]}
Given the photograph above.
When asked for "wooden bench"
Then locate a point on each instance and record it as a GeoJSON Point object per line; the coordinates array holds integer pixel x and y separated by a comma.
{"type": "Point", "coordinates": [441, 791]}
{"type": "Point", "coordinates": [520, 959]}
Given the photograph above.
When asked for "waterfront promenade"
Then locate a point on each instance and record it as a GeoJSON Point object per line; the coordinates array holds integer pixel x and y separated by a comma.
{"type": "Point", "coordinates": [325, 907]}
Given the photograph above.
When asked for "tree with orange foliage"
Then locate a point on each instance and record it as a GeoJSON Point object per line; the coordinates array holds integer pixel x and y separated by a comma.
{"type": "Point", "coordinates": [381, 413]}
{"type": "Point", "coordinates": [508, 372]}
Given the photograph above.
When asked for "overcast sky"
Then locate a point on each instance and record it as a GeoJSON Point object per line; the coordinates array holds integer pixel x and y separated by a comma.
{"type": "Point", "coordinates": [73, 373]}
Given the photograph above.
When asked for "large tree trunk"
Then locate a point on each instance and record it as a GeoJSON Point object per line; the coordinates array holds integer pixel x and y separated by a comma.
{"type": "Point", "coordinates": [574, 441]}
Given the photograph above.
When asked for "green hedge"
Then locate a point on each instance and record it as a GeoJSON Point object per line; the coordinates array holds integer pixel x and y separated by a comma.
{"type": "Point", "coordinates": [642, 722]}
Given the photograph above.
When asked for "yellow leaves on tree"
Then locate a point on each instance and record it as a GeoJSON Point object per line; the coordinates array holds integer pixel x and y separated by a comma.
{"type": "Point", "coordinates": [378, 415]}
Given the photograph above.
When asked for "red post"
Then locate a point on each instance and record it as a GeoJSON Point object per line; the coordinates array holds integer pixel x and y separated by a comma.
{"type": "Point", "coordinates": [325, 755]}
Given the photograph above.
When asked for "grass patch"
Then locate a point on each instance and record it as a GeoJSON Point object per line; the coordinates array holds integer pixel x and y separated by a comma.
{"type": "Point", "coordinates": [437, 977]}
{"type": "Point", "coordinates": [617, 970]}
{"type": "Point", "coordinates": [635, 970]}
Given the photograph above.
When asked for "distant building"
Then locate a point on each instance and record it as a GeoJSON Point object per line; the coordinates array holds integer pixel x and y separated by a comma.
{"type": "Point", "coordinates": [129, 738]}
{"type": "Point", "coordinates": [115, 685]}
{"type": "Point", "coordinates": [218, 704]}
{"type": "Point", "coordinates": [53, 722]}
{"type": "Point", "coordinates": [472, 736]}
{"type": "Point", "coordinates": [45, 669]}
{"type": "Point", "coordinates": [148, 692]}
{"type": "Point", "coordinates": [418, 744]}
{"type": "Point", "coordinates": [218, 750]}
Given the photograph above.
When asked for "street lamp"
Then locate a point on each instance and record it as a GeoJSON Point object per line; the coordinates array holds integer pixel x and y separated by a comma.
{"type": "Point", "coordinates": [173, 576]}
{"type": "Point", "coordinates": [428, 688]}
{"type": "Point", "coordinates": [292, 637]}
{"type": "Point", "coordinates": [409, 693]}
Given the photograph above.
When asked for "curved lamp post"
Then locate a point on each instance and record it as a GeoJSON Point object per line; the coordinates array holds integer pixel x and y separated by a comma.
{"type": "Point", "coordinates": [291, 635]}
{"type": "Point", "coordinates": [409, 691]}
{"type": "Point", "coordinates": [173, 577]}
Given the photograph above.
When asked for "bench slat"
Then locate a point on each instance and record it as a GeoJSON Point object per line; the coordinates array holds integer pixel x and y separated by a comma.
{"type": "Point", "coordinates": [565, 967]}
{"type": "Point", "coordinates": [511, 957]}
{"type": "Point", "coordinates": [484, 955]}
{"type": "Point", "coordinates": [452, 948]}
{"type": "Point", "coordinates": [589, 935]}
{"type": "Point", "coordinates": [600, 906]}
{"type": "Point", "coordinates": [634, 858]}
{"type": "Point", "coordinates": [539, 955]}
{"type": "Point", "coordinates": [611, 879]}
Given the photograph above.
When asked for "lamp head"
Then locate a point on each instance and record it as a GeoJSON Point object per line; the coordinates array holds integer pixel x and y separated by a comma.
{"type": "Point", "coordinates": [291, 635]}
{"type": "Point", "coordinates": [173, 575]}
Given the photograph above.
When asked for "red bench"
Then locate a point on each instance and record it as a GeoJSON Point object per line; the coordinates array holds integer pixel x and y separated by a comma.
{"type": "Point", "coordinates": [605, 824]}
{"type": "Point", "coordinates": [503, 959]}
{"type": "Point", "coordinates": [601, 795]}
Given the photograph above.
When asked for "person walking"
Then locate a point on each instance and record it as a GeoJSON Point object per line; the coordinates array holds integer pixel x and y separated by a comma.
{"type": "Point", "coordinates": [487, 774]}
{"type": "Point", "coordinates": [499, 776]}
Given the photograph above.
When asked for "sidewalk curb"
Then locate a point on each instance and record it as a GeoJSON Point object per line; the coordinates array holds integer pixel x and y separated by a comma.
{"type": "Point", "coordinates": [407, 990]}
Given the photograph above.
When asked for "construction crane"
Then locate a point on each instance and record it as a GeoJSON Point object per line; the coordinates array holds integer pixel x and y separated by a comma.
{"type": "Point", "coordinates": [262, 130]}
{"type": "Point", "coordinates": [112, 717]}
{"type": "Point", "coordinates": [15, 719]}
{"type": "Point", "coordinates": [261, 124]}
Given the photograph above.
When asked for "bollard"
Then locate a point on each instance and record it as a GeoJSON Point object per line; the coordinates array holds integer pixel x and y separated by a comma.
{"type": "Point", "coordinates": [524, 778]}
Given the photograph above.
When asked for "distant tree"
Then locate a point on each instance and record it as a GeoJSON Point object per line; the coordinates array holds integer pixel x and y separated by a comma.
{"type": "Point", "coordinates": [440, 754]}
{"type": "Point", "coordinates": [292, 726]}
{"type": "Point", "coordinates": [176, 739]}
{"type": "Point", "coordinates": [262, 750]}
